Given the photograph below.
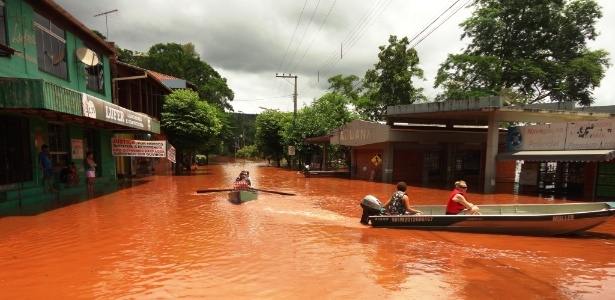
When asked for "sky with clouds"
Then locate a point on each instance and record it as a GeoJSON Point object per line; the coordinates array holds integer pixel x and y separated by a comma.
{"type": "Point", "coordinates": [249, 42]}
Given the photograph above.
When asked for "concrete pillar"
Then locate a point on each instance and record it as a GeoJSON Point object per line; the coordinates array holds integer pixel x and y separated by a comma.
{"type": "Point", "coordinates": [387, 162]}
{"type": "Point", "coordinates": [491, 152]}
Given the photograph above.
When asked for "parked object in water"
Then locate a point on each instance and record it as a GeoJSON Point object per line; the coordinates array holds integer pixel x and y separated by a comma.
{"type": "Point", "coordinates": [342, 174]}
{"type": "Point", "coordinates": [513, 219]}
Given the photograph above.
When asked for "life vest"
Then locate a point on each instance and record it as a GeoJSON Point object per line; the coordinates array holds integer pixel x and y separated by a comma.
{"type": "Point", "coordinates": [241, 186]}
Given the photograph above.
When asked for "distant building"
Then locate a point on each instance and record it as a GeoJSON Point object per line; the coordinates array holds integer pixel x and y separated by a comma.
{"type": "Point", "coordinates": [436, 144]}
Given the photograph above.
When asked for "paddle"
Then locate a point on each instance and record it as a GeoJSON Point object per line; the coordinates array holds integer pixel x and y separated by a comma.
{"type": "Point", "coordinates": [274, 192]}
{"type": "Point", "coordinates": [213, 191]}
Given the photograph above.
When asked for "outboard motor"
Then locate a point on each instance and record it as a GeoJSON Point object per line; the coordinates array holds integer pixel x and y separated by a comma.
{"type": "Point", "coordinates": [371, 207]}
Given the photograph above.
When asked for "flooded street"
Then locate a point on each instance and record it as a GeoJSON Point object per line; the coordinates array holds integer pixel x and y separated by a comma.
{"type": "Point", "coordinates": [161, 240]}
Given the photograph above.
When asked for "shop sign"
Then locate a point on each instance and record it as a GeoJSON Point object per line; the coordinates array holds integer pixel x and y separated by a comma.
{"type": "Point", "coordinates": [102, 110]}
{"type": "Point", "coordinates": [126, 147]}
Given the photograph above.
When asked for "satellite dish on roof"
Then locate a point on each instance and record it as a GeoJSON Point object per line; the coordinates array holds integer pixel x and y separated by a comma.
{"type": "Point", "coordinates": [58, 58]}
{"type": "Point", "coordinates": [87, 56]}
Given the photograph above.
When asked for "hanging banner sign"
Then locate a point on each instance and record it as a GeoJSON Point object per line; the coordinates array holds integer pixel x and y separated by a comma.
{"type": "Point", "coordinates": [77, 148]}
{"type": "Point", "coordinates": [171, 153]}
{"type": "Point", "coordinates": [126, 147]}
{"type": "Point", "coordinates": [101, 110]}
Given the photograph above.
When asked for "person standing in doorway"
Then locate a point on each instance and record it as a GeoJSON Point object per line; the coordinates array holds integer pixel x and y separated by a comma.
{"type": "Point", "coordinates": [44, 162]}
{"type": "Point", "coordinates": [90, 172]}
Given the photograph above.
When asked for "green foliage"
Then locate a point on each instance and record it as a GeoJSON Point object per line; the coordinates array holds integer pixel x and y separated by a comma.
{"type": "Point", "coordinates": [189, 123]}
{"type": "Point", "coordinates": [183, 62]}
{"type": "Point", "coordinates": [268, 137]}
{"type": "Point", "coordinates": [390, 82]}
{"type": "Point", "coordinates": [201, 159]}
{"type": "Point", "coordinates": [324, 115]}
{"type": "Point", "coordinates": [534, 49]}
{"type": "Point", "coordinates": [345, 86]}
{"type": "Point", "coordinates": [250, 151]}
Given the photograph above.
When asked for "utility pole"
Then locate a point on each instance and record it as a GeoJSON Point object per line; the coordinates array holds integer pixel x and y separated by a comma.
{"type": "Point", "coordinates": [106, 23]}
{"type": "Point", "coordinates": [295, 94]}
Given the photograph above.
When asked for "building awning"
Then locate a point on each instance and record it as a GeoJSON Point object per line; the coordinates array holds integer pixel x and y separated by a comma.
{"type": "Point", "coordinates": [325, 139]}
{"type": "Point", "coordinates": [562, 155]}
{"type": "Point", "coordinates": [53, 102]}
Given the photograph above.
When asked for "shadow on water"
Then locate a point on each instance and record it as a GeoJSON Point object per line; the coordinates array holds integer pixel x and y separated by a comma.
{"type": "Point", "coordinates": [60, 201]}
{"type": "Point", "coordinates": [587, 235]}
{"type": "Point", "coordinates": [198, 172]}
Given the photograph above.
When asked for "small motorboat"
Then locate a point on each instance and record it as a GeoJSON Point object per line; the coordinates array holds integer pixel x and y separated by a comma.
{"type": "Point", "coordinates": [513, 219]}
{"type": "Point", "coordinates": [241, 196]}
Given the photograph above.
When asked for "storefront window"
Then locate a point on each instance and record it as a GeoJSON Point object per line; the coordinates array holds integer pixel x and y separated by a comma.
{"type": "Point", "coordinates": [88, 137]}
{"type": "Point", "coordinates": [95, 76]}
{"type": "Point", "coordinates": [471, 163]}
{"type": "Point", "coordinates": [58, 144]}
{"type": "Point", "coordinates": [15, 155]}
{"type": "Point", "coordinates": [3, 38]}
{"type": "Point", "coordinates": [50, 47]}
{"type": "Point", "coordinates": [432, 162]}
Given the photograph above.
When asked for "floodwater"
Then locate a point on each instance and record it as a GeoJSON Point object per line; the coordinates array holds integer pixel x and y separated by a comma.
{"type": "Point", "coordinates": [161, 240]}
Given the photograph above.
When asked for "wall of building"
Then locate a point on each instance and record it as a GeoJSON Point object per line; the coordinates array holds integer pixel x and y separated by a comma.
{"type": "Point", "coordinates": [23, 64]}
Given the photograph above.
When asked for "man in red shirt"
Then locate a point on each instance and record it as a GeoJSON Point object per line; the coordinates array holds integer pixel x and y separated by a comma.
{"type": "Point", "coordinates": [457, 201]}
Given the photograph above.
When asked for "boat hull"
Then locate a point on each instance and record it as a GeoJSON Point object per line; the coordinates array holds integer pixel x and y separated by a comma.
{"type": "Point", "coordinates": [527, 219]}
{"type": "Point", "coordinates": [238, 197]}
{"type": "Point", "coordinates": [342, 174]}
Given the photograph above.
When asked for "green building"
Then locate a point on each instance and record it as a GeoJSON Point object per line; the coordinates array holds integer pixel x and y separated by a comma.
{"type": "Point", "coordinates": [57, 88]}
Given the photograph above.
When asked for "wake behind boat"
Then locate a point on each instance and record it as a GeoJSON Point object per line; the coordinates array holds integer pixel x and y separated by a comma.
{"type": "Point", "coordinates": [513, 219]}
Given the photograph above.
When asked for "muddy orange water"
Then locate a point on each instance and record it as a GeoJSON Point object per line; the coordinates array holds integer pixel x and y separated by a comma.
{"type": "Point", "coordinates": [161, 240]}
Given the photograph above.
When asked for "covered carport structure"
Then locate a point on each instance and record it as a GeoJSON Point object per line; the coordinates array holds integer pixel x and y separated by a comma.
{"type": "Point", "coordinates": [491, 112]}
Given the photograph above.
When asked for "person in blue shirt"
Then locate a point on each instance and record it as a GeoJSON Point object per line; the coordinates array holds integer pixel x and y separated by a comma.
{"type": "Point", "coordinates": [44, 162]}
{"type": "Point", "coordinates": [247, 177]}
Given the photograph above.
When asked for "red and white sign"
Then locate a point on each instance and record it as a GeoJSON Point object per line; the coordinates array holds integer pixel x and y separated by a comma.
{"type": "Point", "coordinates": [126, 147]}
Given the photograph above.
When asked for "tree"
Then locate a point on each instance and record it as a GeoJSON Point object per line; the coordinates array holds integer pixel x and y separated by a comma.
{"type": "Point", "coordinates": [390, 82]}
{"type": "Point", "coordinates": [346, 86]}
{"type": "Point", "coordinates": [183, 62]}
{"type": "Point", "coordinates": [189, 124]}
{"type": "Point", "coordinates": [319, 119]}
{"type": "Point", "coordinates": [535, 50]}
{"type": "Point", "coordinates": [268, 137]}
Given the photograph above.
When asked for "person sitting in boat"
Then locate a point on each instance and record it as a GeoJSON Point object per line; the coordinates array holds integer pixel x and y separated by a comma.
{"type": "Point", "coordinates": [457, 201]}
{"type": "Point", "coordinates": [248, 178]}
{"type": "Point", "coordinates": [247, 175]}
{"type": "Point", "coordinates": [305, 170]}
{"type": "Point", "coordinates": [399, 203]}
{"type": "Point", "coordinates": [242, 184]}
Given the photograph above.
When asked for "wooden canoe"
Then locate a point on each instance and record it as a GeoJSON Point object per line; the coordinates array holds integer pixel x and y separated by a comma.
{"type": "Point", "coordinates": [238, 197]}
{"type": "Point", "coordinates": [513, 219]}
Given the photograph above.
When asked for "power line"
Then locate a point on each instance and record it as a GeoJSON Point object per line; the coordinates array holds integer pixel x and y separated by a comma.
{"type": "Point", "coordinates": [310, 46]}
{"type": "Point", "coordinates": [444, 21]}
{"type": "Point", "coordinates": [291, 41]}
{"type": "Point", "coordinates": [302, 37]}
{"type": "Point", "coordinates": [356, 33]}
